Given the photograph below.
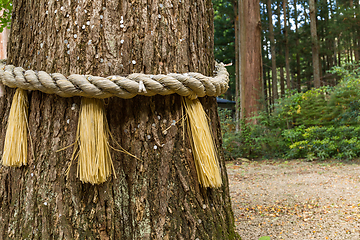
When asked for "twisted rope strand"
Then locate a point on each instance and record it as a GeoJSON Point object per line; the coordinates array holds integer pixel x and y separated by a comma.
{"type": "Point", "coordinates": [191, 85]}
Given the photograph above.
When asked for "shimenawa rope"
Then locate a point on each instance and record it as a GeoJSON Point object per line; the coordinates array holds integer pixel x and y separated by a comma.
{"type": "Point", "coordinates": [191, 85]}
{"type": "Point", "coordinates": [95, 162]}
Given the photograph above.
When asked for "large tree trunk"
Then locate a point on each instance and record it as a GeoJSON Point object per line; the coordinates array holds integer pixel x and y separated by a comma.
{"type": "Point", "coordinates": [273, 54]}
{"type": "Point", "coordinates": [157, 197]}
{"type": "Point", "coordinates": [315, 45]}
{"type": "Point", "coordinates": [251, 65]}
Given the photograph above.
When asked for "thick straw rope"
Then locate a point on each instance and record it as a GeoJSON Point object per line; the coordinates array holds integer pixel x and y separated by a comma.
{"type": "Point", "coordinates": [191, 85]}
{"type": "Point", "coordinates": [95, 168]}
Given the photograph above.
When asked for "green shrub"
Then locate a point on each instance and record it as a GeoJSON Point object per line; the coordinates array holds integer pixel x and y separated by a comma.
{"type": "Point", "coordinates": [326, 142]}
{"type": "Point", "coordinates": [256, 141]}
{"type": "Point", "coordinates": [320, 123]}
{"type": "Point", "coordinates": [253, 141]}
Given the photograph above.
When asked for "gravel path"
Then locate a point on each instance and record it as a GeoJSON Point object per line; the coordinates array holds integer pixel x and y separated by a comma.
{"type": "Point", "coordinates": [296, 199]}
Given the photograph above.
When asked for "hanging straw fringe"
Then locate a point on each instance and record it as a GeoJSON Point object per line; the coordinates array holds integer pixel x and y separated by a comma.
{"type": "Point", "coordinates": [95, 164]}
{"type": "Point", "coordinates": [15, 147]}
{"type": "Point", "coordinates": [206, 160]}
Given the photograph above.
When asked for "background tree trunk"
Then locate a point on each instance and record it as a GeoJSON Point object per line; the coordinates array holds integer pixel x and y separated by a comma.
{"type": "Point", "coordinates": [238, 72]}
{"type": "Point", "coordinates": [280, 49]}
{"type": "Point", "coordinates": [282, 82]}
{"type": "Point", "coordinates": [356, 35]}
{"type": "Point", "coordinates": [266, 76]}
{"type": "Point", "coordinates": [287, 58]}
{"type": "Point", "coordinates": [273, 55]}
{"type": "Point", "coordinates": [338, 49]}
{"type": "Point", "coordinates": [315, 45]}
{"type": "Point", "coordinates": [271, 102]}
{"type": "Point", "coordinates": [298, 77]}
{"type": "Point", "coordinates": [251, 64]}
{"type": "Point", "coordinates": [157, 197]}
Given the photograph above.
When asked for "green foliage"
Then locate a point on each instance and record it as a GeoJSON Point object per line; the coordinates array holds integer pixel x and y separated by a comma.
{"type": "Point", "coordinates": [253, 141]}
{"type": "Point", "coordinates": [5, 19]}
{"type": "Point", "coordinates": [320, 123]}
{"type": "Point", "coordinates": [326, 142]}
{"type": "Point", "coordinates": [327, 106]}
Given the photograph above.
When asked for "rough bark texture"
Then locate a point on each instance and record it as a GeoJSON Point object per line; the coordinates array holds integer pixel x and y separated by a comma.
{"type": "Point", "coordinates": [157, 197]}
{"type": "Point", "coordinates": [251, 86]}
{"type": "Point", "coordinates": [315, 45]}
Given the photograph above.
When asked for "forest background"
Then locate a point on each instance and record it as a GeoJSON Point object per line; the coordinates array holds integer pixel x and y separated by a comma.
{"type": "Point", "coordinates": [307, 105]}
{"type": "Point", "coordinates": [295, 76]}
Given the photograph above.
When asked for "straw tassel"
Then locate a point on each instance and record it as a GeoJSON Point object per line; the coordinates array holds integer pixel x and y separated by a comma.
{"type": "Point", "coordinates": [95, 164]}
{"type": "Point", "coordinates": [15, 147]}
{"type": "Point", "coordinates": [203, 147]}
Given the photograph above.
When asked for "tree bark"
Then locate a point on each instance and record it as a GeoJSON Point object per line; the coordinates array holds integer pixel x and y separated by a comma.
{"type": "Point", "coordinates": [282, 82]}
{"type": "Point", "coordinates": [251, 64]}
{"type": "Point", "coordinates": [238, 72]}
{"type": "Point", "coordinates": [280, 49]}
{"type": "Point", "coordinates": [350, 50]}
{"type": "Point", "coordinates": [315, 45]}
{"type": "Point", "coordinates": [265, 75]}
{"type": "Point", "coordinates": [352, 39]}
{"type": "Point", "coordinates": [287, 58]}
{"type": "Point", "coordinates": [157, 197]}
{"type": "Point", "coordinates": [356, 36]}
{"type": "Point", "coordinates": [273, 54]}
{"type": "Point", "coordinates": [298, 77]}
{"type": "Point", "coordinates": [329, 43]}
{"type": "Point", "coordinates": [271, 103]}
{"type": "Point", "coordinates": [338, 50]}
{"type": "Point", "coordinates": [242, 53]}
{"type": "Point", "coordinates": [266, 102]}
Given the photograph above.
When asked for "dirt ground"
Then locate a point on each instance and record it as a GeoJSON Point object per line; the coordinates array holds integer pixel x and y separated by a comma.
{"type": "Point", "coordinates": [296, 199]}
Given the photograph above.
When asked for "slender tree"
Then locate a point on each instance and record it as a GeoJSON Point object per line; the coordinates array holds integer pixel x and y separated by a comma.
{"type": "Point", "coordinates": [287, 58]}
{"type": "Point", "coordinates": [315, 45]}
{"type": "Point", "coordinates": [280, 50]}
{"type": "Point", "coordinates": [273, 54]}
{"type": "Point", "coordinates": [266, 75]}
{"type": "Point", "coordinates": [238, 14]}
{"type": "Point", "coordinates": [157, 194]}
{"type": "Point", "coordinates": [356, 34]}
{"type": "Point", "coordinates": [353, 39]}
{"type": "Point", "coordinates": [298, 77]}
